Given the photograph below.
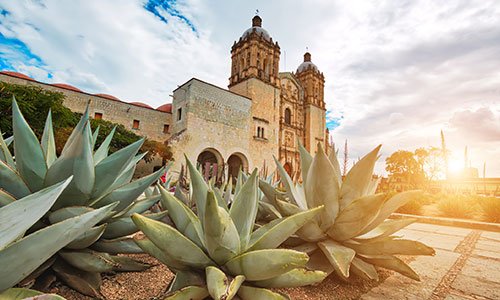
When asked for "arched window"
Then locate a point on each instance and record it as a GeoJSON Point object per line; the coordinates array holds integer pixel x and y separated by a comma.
{"type": "Point", "coordinates": [288, 116]}
{"type": "Point", "coordinates": [262, 133]}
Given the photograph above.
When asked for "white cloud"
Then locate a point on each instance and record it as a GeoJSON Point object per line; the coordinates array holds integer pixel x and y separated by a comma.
{"type": "Point", "coordinates": [397, 72]}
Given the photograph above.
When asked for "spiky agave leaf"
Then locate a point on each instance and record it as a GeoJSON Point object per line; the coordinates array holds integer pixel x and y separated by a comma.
{"type": "Point", "coordinates": [99, 179]}
{"type": "Point", "coordinates": [352, 232]}
{"type": "Point", "coordinates": [26, 294]}
{"type": "Point", "coordinates": [219, 247]}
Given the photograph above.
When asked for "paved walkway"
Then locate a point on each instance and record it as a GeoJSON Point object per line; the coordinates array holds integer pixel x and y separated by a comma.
{"type": "Point", "coordinates": [466, 266]}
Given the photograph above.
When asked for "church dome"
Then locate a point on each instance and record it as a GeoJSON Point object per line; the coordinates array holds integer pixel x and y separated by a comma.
{"type": "Point", "coordinates": [107, 96]}
{"type": "Point", "coordinates": [307, 64]}
{"type": "Point", "coordinates": [18, 75]}
{"type": "Point", "coordinates": [67, 87]}
{"type": "Point", "coordinates": [165, 108]}
{"type": "Point", "coordinates": [257, 28]}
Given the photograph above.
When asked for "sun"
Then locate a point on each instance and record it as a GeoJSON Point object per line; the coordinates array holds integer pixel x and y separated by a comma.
{"type": "Point", "coordinates": [455, 166]}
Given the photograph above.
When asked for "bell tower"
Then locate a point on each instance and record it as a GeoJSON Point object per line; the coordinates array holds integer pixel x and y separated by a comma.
{"type": "Point", "coordinates": [255, 55]}
{"type": "Point", "coordinates": [313, 82]}
{"type": "Point", "coordinates": [255, 75]}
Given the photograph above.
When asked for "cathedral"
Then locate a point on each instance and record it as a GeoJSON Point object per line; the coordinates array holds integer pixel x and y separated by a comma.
{"type": "Point", "coordinates": [262, 114]}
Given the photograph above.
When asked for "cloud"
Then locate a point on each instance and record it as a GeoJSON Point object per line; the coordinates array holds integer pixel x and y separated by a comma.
{"type": "Point", "coordinates": [397, 72]}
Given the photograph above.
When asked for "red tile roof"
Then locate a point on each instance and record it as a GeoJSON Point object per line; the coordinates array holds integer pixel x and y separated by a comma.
{"type": "Point", "coordinates": [107, 96]}
{"type": "Point", "coordinates": [18, 75]}
{"type": "Point", "coordinates": [140, 104]}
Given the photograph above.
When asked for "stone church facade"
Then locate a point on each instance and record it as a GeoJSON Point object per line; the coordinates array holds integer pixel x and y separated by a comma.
{"type": "Point", "coordinates": [262, 114]}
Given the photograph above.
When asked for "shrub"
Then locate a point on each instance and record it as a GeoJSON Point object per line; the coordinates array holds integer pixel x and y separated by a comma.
{"type": "Point", "coordinates": [490, 208]}
{"type": "Point", "coordinates": [457, 206]}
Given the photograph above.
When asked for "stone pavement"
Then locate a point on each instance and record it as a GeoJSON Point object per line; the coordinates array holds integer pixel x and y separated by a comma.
{"type": "Point", "coordinates": [466, 266]}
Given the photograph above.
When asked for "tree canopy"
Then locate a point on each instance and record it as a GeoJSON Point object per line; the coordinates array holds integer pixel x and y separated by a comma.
{"type": "Point", "coordinates": [35, 103]}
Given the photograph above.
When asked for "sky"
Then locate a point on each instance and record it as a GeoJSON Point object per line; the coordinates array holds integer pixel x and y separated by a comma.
{"type": "Point", "coordinates": [396, 72]}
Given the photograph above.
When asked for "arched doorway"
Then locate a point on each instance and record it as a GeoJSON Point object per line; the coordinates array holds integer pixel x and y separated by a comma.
{"type": "Point", "coordinates": [235, 162]}
{"type": "Point", "coordinates": [210, 163]}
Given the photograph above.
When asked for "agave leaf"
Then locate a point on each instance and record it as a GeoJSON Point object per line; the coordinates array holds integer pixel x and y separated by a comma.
{"type": "Point", "coordinates": [94, 136]}
{"type": "Point", "coordinates": [322, 188]}
{"type": "Point", "coordinates": [124, 226]}
{"type": "Point", "coordinates": [385, 229]}
{"type": "Point", "coordinates": [12, 182]}
{"type": "Point", "coordinates": [199, 190]}
{"type": "Point", "coordinates": [355, 217]}
{"type": "Point", "coordinates": [78, 129]}
{"type": "Point", "coordinates": [128, 173]}
{"type": "Point", "coordinates": [5, 198]}
{"type": "Point", "coordinates": [88, 238]}
{"type": "Point", "coordinates": [48, 141]}
{"type": "Point", "coordinates": [363, 269]}
{"type": "Point", "coordinates": [244, 209]}
{"type": "Point", "coordinates": [148, 247]}
{"type": "Point", "coordinates": [291, 191]}
{"type": "Point", "coordinates": [286, 208]}
{"type": "Point", "coordinates": [172, 242]}
{"type": "Point", "coordinates": [220, 199]}
{"type": "Point", "coordinates": [311, 232]}
{"type": "Point", "coordinates": [179, 194]}
{"type": "Point", "coordinates": [26, 294]}
{"type": "Point", "coordinates": [227, 193]}
{"type": "Point", "coordinates": [391, 206]}
{"type": "Point", "coordinates": [183, 279]}
{"type": "Point", "coordinates": [392, 263]}
{"type": "Point", "coordinates": [269, 191]}
{"type": "Point", "coordinates": [5, 154]}
{"type": "Point", "coordinates": [129, 192]}
{"type": "Point", "coordinates": [339, 256]}
{"type": "Point", "coordinates": [306, 160]}
{"type": "Point", "coordinates": [102, 152]}
{"type": "Point", "coordinates": [89, 261]}
{"type": "Point", "coordinates": [266, 264]}
{"type": "Point", "coordinates": [68, 212]}
{"type": "Point", "coordinates": [84, 282]}
{"type": "Point", "coordinates": [358, 179]}
{"type": "Point", "coordinates": [219, 286]}
{"type": "Point", "coordinates": [239, 182]}
{"type": "Point", "coordinates": [275, 234]}
{"type": "Point", "coordinates": [336, 166]}
{"type": "Point", "coordinates": [48, 241]}
{"type": "Point", "coordinates": [17, 217]}
{"type": "Point", "coordinates": [294, 278]}
{"type": "Point", "coordinates": [9, 140]}
{"type": "Point", "coordinates": [221, 236]}
{"type": "Point", "coordinates": [183, 217]}
{"type": "Point", "coordinates": [110, 168]}
{"type": "Point", "coordinates": [307, 248]}
{"type": "Point", "coordinates": [189, 292]}
{"type": "Point", "coordinates": [319, 262]}
{"type": "Point", "coordinates": [126, 264]}
{"type": "Point", "coordinates": [269, 210]}
{"type": "Point", "coordinates": [252, 293]}
{"type": "Point", "coordinates": [138, 206]}
{"type": "Point", "coordinates": [30, 161]}
{"type": "Point", "coordinates": [75, 160]}
{"type": "Point", "coordinates": [115, 246]}
{"type": "Point", "coordinates": [392, 246]}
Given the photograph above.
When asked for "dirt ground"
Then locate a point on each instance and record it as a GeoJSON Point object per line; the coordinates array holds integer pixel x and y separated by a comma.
{"type": "Point", "coordinates": [152, 284]}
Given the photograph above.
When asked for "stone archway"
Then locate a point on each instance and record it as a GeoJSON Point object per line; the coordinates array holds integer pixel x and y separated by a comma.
{"type": "Point", "coordinates": [210, 162]}
{"type": "Point", "coordinates": [235, 162]}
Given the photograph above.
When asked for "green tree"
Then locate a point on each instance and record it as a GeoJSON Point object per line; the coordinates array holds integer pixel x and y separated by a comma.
{"type": "Point", "coordinates": [35, 103]}
{"type": "Point", "coordinates": [404, 164]}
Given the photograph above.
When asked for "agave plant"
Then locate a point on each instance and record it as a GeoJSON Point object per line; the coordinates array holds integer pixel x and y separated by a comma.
{"type": "Point", "coordinates": [217, 252]}
{"type": "Point", "coordinates": [23, 254]}
{"type": "Point", "coordinates": [99, 179]}
{"type": "Point", "coordinates": [27, 294]}
{"type": "Point", "coordinates": [351, 233]}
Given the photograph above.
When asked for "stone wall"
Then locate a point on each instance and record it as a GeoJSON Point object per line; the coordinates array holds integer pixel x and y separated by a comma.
{"type": "Point", "coordinates": [213, 119]}
{"type": "Point", "coordinates": [151, 121]}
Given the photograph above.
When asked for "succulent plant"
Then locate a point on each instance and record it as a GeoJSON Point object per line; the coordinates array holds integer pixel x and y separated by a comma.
{"type": "Point", "coordinates": [351, 233]}
{"type": "Point", "coordinates": [22, 254]}
{"type": "Point", "coordinates": [217, 252]}
{"type": "Point", "coordinates": [27, 294]}
{"type": "Point", "coordinates": [99, 179]}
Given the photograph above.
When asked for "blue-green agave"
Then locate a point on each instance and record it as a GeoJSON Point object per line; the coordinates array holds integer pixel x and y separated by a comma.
{"type": "Point", "coordinates": [218, 252]}
{"type": "Point", "coordinates": [98, 179]}
{"type": "Point", "coordinates": [352, 234]}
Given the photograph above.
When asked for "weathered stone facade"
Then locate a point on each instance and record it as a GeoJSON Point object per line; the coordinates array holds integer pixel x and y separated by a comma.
{"type": "Point", "coordinates": [263, 114]}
